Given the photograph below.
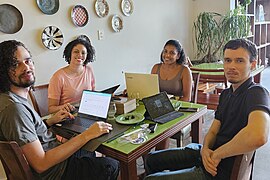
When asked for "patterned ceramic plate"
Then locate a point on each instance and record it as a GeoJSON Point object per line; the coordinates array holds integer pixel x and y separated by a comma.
{"type": "Point", "coordinates": [52, 37]}
{"type": "Point", "coordinates": [102, 8]}
{"type": "Point", "coordinates": [48, 6]}
{"type": "Point", "coordinates": [117, 23]}
{"type": "Point", "coordinates": [79, 15]}
{"type": "Point", "coordinates": [11, 19]}
{"type": "Point", "coordinates": [127, 7]}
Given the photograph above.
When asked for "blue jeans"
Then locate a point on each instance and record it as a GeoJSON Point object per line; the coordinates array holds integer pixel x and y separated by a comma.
{"type": "Point", "coordinates": [177, 163]}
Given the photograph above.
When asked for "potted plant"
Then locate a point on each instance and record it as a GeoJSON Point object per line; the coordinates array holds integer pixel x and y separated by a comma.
{"type": "Point", "coordinates": [212, 30]}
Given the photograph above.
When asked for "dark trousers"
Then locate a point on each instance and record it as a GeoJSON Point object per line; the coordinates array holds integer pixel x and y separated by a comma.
{"type": "Point", "coordinates": [85, 168]}
{"type": "Point", "coordinates": [178, 163]}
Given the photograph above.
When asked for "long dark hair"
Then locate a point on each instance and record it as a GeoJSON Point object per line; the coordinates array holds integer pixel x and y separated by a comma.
{"type": "Point", "coordinates": [8, 62]}
{"type": "Point", "coordinates": [90, 50]}
{"type": "Point", "coordinates": [179, 48]}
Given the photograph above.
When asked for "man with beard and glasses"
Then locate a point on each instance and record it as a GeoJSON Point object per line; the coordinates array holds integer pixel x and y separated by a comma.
{"type": "Point", "coordinates": [19, 122]}
{"type": "Point", "coordinates": [241, 125]}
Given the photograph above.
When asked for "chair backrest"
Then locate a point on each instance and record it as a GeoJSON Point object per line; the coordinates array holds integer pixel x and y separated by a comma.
{"type": "Point", "coordinates": [211, 78]}
{"type": "Point", "coordinates": [243, 166]}
{"type": "Point", "coordinates": [196, 79]}
{"type": "Point", "coordinates": [15, 165]}
{"type": "Point", "coordinates": [39, 98]}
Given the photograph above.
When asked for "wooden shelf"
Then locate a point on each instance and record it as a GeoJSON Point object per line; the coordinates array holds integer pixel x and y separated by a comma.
{"type": "Point", "coordinates": [259, 31]}
{"type": "Point", "coordinates": [263, 22]}
{"type": "Point", "coordinates": [263, 45]}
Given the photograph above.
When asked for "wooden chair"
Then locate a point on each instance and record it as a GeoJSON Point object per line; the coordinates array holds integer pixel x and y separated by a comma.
{"type": "Point", "coordinates": [211, 100]}
{"type": "Point", "coordinates": [15, 165]}
{"type": "Point", "coordinates": [211, 78]}
{"type": "Point", "coordinates": [186, 131]}
{"type": "Point", "coordinates": [243, 166]}
{"type": "Point", "coordinates": [39, 98]}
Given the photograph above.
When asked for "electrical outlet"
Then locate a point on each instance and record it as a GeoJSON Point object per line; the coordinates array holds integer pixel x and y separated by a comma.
{"type": "Point", "coordinates": [100, 34]}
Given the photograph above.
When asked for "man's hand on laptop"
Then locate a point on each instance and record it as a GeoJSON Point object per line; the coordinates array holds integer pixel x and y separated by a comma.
{"type": "Point", "coordinates": [99, 128]}
{"type": "Point", "coordinates": [59, 116]}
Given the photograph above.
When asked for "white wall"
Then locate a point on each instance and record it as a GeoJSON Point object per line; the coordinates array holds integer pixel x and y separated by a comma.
{"type": "Point", "coordinates": [136, 48]}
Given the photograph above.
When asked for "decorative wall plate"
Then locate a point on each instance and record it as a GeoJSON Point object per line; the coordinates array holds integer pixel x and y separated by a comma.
{"type": "Point", "coordinates": [127, 7]}
{"type": "Point", "coordinates": [117, 23]}
{"type": "Point", "coordinates": [52, 38]}
{"type": "Point", "coordinates": [11, 19]}
{"type": "Point", "coordinates": [102, 8]}
{"type": "Point", "coordinates": [48, 6]}
{"type": "Point", "coordinates": [79, 15]}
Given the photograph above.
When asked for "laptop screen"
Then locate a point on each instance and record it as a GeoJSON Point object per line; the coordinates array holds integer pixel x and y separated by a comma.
{"type": "Point", "coordinates": [95, 103]}
{"type": "Point", "coordinates": [141, 85]}
{"type": "Point", "coordinates": [158, 105]}
{"type": "Point", "coordinates": [111, 90]}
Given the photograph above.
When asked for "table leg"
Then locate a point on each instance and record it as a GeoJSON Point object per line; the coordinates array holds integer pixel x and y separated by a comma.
{"type": "Point", "coordinates": [196, 131]}
{"type": "Point", "coordinates": [128, 171]}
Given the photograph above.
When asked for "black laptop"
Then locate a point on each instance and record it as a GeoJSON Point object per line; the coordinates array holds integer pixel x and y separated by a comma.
{"type": "Point", "coordinates": [160, 109]}
{"type": "Point", "coordinates": [94, 107]}
{"type": "Point", "coordinates": [109, 90]}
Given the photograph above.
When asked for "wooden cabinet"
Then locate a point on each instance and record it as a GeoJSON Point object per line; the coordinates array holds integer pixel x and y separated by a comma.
{"type": "Point", "coordinates": [259, 29]}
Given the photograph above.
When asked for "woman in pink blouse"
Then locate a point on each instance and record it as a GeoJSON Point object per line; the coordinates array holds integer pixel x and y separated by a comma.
{"type": "Point", "coordinates": [67, 84]}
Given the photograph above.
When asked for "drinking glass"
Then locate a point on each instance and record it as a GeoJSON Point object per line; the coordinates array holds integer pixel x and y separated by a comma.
{"type": "Point", "coordinates": [112, 111]}
{"type": "Point", "coordinates": [135, 95]}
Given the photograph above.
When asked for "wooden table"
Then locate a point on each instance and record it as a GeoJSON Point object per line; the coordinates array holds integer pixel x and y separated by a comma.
{"type": "Point", "coordinates": [127, 153]}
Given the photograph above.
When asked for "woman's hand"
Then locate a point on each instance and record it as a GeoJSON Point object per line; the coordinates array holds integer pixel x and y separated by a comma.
{"type": "Point", "coordinates": [68, 107]}
{"type": "Point", "coordinates": [58, 117]}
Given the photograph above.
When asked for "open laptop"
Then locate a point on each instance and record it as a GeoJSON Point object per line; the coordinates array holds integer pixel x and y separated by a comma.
{"type": "Point", "coordinates": [160, 108]}
{"type": "Point", "coordinates": [94, 107]}
{"type": "Point", "coordinates": [141, 85]}
{"type": "Point", "coordinates": [111, 90]}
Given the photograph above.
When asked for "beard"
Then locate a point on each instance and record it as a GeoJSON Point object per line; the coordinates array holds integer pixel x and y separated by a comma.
{"type": "Point", "coordinates": [21, 83]}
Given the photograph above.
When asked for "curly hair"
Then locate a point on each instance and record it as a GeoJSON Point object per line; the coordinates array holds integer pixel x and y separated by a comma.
{"type": "Point", "coordinates": [243, 43]}
{"type": "Point", "coordinates": [90, 50]}
{"type": "Point", "coordinates": [180, 50]}
{"type": "Point", "coordinates": [8, 61]}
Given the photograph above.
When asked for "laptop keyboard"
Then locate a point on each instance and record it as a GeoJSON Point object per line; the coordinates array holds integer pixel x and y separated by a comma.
{"type": "Point", "coordinates": [85, 123]}
{"type": "Point", "coordinates": [168, 117]}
